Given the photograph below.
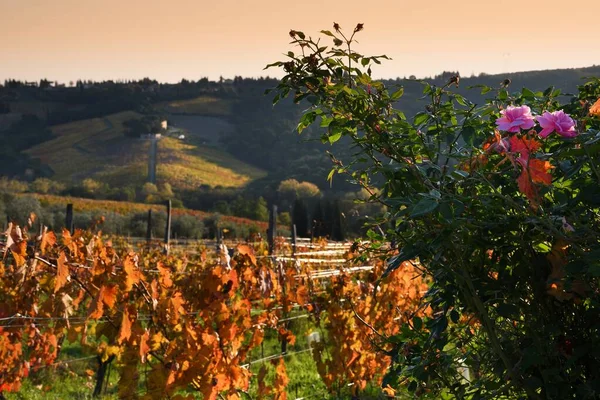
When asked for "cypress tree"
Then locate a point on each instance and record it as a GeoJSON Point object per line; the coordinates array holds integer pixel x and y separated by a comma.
{"type": "Point", "coordinates": [300, 218]}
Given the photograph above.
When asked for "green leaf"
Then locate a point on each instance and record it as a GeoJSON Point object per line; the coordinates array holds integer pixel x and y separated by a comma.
{"type": "Point", "coordinates": [412, 387]}
{"type": "Point", "coordinates": [330, 175]}
{"type": "Point", "coordinates": [454, 316]}
{"type": "Point", "coordinates": [335, 137]}
{"type": "Point", "coordinates": [446, 211]}
{"type": "Point", "coordinates": [365, 62]}
{"type": "Point", "coordinates": [409, 252]}
{"type": "Point", "coordinates": [397, 94]}
{"type": "Point", "coordinates": [417, 323]}
{"type": "Point", "coordinates": [468, 135]}
{"type": "Point", "coordinates": [275, 64]}
{"type": "Point", "coordinates": [425, 206]}
{"type": "Point", "coordinates": [328, 33]}
{"type": "Point", "coordinates": [420, 118]}
{"type": "Point", "coordinates": [460, 100]}
{"type": "Point", "coordinates": [306, 120]}
{"type": "Point", "coordinates": [276, 99]}
{"type": "Point", "coordinates": [527, 94]}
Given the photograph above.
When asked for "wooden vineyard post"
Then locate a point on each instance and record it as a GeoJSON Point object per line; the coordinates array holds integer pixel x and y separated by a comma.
{"type": "Point", "coordinates": [69, 218]}
{"type": "Point", "coordinates": [294, 239]}
{"type": "Point", "coordinates": [218, 240]}
{"type": "Point", "coordinates": [271, 235]}
{"type": "Point", "coordinates": [101, 374]}
{"type": "Point", "coordinates": [168, 227]}
{"type": "Point", "coordinates": [149, 227]}
{"type": "Point", "coordinates": [272, 232]}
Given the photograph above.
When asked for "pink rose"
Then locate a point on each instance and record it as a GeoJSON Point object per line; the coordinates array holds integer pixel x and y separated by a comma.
{"type": "Point", "coordinates": [558, 122]}
{"type": "Point", "coordinates": [515, 118]}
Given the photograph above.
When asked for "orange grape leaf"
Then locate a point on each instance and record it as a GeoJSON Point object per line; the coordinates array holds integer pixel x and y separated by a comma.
{"type": "Point", "coordinates": [62, 272]}
{"type": "Point", "coordinates": [246, 250]}
{"type": "Point", "coordinates": [281, 380]}
{"type": "Point", "coordinates": [165, 275]}
{"type": "Point", "coordinates": [595, 109]}
{"type": "Point", "coordinates": [95, 311]}
{"type": "Point", "coordinates": [287, 335]}
{"type": "Point", "coordinates": [110, 295]}
{"type": "Point", "coordinates": [19, 252]}
{"type": "Point", "coordinates": [48, 240]}
{"type": "Point", "coordinates": [106, 295]}
{"type": "Point", "coordinates": [177, 303]}
{"type": "Point", "coordinates": [144, 348]}
{"type": "Point", "coordinates": [132, 272]}
{"type": "Point", "coordinates": [302, 295]}
{"type": "Point", "coordinates": [263, 389]}
{"type": "Point", "coordinates": [125, 332]}
{"type": "Point", "coordinates": [257, 338]}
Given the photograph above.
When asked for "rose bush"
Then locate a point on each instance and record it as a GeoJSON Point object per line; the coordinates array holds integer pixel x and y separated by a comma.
{"type": "Point", "coordinates": [500, 215]}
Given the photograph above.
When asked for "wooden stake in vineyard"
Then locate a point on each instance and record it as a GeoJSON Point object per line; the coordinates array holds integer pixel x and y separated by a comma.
{"type": "Point", "coordinates": [272, 232]}
{"type": "Point", "coordinates": [294, 239]}
{"type": "Point", "coordinates": [69, 218]}
{"type": "Point", "coordinates": [149, 227]}
{"type": "Point", "coordinates": [168, 227]}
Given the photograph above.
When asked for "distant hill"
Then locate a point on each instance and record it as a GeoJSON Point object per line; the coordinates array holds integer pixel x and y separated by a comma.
{"type": "Point", "coordinates": [97, 148]}
{"type": "Point", "coordinates": [566, 80]}
{"type": "Point", "coordinates": [233, 136]}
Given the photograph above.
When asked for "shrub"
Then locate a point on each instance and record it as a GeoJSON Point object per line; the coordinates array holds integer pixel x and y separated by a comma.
{"type": "Point", "coordinates": [497, 204]}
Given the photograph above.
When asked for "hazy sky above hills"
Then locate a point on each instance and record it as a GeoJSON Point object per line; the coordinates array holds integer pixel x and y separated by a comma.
{"type": "Point", "coordinates": [169, 40]}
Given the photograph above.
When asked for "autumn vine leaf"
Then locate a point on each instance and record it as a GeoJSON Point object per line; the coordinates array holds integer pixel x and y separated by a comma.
{"type": "Point", "coordinates": [62, 272]}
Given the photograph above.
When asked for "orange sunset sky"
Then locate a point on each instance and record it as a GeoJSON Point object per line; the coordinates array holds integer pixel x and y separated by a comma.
{"type": "Point", "coordinates": [173, 39]}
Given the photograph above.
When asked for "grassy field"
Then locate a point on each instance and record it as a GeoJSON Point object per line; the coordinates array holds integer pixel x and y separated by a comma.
{"type": "Point", "coordinates": [204, 105]}
{"type": "Point", "coordinates": [187, 165]}
{"type": "Point", "coordinates": [97, 149]}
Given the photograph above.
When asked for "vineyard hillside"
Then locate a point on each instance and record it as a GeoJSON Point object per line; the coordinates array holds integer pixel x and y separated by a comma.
{"type": "Point", "coordinates": [203, 105]}
{"type": "Point", "coordinates": [97, 148]}
{"type": "Point", "coordinates": [101, 207]}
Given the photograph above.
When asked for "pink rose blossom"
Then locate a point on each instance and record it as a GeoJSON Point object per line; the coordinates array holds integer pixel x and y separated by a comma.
{"type": "Point", "coordinates": [515, 118]}
{"type": "Point", "coordinates": [558, 122]}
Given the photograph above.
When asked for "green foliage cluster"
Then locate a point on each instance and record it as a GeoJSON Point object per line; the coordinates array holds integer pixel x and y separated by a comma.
{"type": "Point", "coordinates": [245, 207]}
{"type": "Point", "coordinates": [514, 295]}
{"type": "Point", "coordinates": [24, 133]}
{"type": "Point", "coordinates": [148, 124]}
